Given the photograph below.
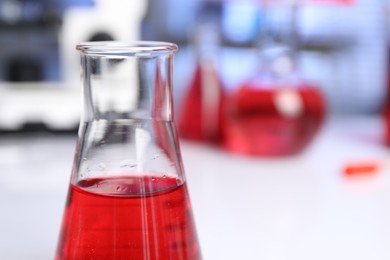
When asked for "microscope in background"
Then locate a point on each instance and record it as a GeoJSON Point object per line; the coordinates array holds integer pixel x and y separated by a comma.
{"type": "Point", "coordinates": [39, 67]}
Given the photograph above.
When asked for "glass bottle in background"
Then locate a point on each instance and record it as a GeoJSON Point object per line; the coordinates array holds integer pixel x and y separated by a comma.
{"type": "Point", "coordinates": [128, 197]}
{"type": "Point", "coordinates": [200, 114]}
{"type": "Point", "coordinates": [276, 112]}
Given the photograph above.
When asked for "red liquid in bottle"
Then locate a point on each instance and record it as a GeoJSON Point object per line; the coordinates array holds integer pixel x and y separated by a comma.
{"type": "Point", "coordinates": [272, 121]}
{"type": "Point", "coordinates": [128, 218]}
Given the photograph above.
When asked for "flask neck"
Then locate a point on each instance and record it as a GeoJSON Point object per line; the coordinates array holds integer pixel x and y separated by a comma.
{"type": "Point", "coordinates": [206, 35]}
{"type": "Point", "coordinates": [127, 128]}
{"type": "Point", "coordinates": [278, 42]}
{"type": "Point", "coordinates": [127, 87]}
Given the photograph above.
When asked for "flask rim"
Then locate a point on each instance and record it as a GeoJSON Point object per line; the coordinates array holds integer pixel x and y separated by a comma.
{"type": "Point", "coordinates": [133, 48]}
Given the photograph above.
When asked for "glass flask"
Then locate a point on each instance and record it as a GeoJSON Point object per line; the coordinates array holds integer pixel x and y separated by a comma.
{"type": "Point", "coordinates": [128, 197]}
{"type": "Point", "coordinates": [275, 112]}
{"type": "Point", "coordinates": [386, 111]}
{"type": "Point", "coordinates": [200, 114]}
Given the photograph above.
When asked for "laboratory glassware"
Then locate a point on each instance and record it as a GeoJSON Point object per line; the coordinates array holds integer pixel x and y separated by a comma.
{"type": "Point", "coordinates": [275, 112]}
{"type": "Point", "coordinates": [201, 109]}
{"type": "Point", "coordinates": [128, 197]}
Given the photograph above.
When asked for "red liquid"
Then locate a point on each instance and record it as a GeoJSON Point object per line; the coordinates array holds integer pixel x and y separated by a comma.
{"type": "Point", "coordinates": [201, 110]}
{"type": "Point", "coordinates": [386, 111]}
{"type": "Point", "coordinates": [270, 121]}
{"type": "Point", "coordinates": [361, 168]}
{"type": "Point", "coordinates": [343, 2]}
{"type": "Point", "coordinates": [387, 125]}
{"type": "Point", "coordinates": [128, 218]}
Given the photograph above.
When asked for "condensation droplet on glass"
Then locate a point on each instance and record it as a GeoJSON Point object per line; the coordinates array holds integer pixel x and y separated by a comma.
{"type": "Point", "coordinates": [153, 179]}
{"type": "Point", "coordinates": [85, 158]}
{"type": "Point", "coordinates": [88, 169]}
{"type": "Point", "coordinates": [118, 188]}
{"type": "Point", "coordinates": [102, 166]}
{"type": "Point", "coordinates": [164, 176]}
{"type": "Point", "coordinates": [127, 163]}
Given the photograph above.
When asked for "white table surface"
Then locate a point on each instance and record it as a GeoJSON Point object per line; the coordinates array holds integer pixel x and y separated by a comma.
{"type": "Point", "coordinates": [298, 208]}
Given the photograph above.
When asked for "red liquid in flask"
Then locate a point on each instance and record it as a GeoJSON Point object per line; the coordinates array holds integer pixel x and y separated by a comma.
{"type": "Point", "coordinates": [387, 126]}
{"type": "Point", "coordinates": [269, 120]}
{"type": "Point", "coordinates": [200, 117]}
{"type": "Point", "coordinates": [128, 218]}
{"type": "Point", "coordinates": [386, 112]}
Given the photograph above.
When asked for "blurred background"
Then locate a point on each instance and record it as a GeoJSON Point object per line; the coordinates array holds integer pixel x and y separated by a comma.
{"type": "Point", "coordinates": [313, 74]}
{"type": "Point", "coordinates": [343, 48]}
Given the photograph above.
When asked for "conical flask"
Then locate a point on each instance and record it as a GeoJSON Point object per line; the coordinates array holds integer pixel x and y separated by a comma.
{"type": "Point", "coordinates": [128, 197]}
{"type": "Point", "coordinates": [201, 111]}
{"type": "Point", "coordinates": [276, 112]}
